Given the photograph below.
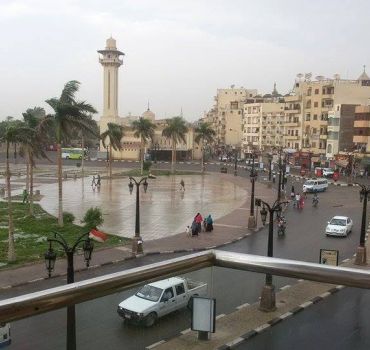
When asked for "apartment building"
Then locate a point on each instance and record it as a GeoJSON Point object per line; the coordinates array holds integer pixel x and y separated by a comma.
{"type": "Point", "coordinates": [319, 98]}
{"type": "Point", "coordinates": [262, 124]}
{"type": "Point", "coordinates": [227, 115]}
{"type": "Point", "coordinates": [292, 138]}
{"type": "Point", "coordinates": [361, 136]}
{"type": "Point", "coordinates": [340, 129]}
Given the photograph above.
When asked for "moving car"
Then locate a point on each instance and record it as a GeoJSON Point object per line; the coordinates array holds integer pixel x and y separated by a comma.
{"type": "Point", "coordinates": [315, 185]}
{"type": "Point", "coordinates": [5, 338]}
{"type": "Point", "coordinates": [160, 298]}
{"type": "Point", "coordinates": [339, 226]}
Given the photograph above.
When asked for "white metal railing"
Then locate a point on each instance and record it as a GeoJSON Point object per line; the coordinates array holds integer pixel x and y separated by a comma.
{"type": "Point", "coordinates": [55, 298]}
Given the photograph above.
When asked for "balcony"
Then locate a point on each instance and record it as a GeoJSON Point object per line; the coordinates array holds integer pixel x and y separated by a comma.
{"type": "Point", "coordinates": [361, 124]}
{"type": "Point", "coordinates": [291, 137]}
{"type": "Point", "coordinates": [292, 124]}
{"type": "Point", "coordinates": [334, 128]}
{"type": "Point", "coordinates": [323, 137]}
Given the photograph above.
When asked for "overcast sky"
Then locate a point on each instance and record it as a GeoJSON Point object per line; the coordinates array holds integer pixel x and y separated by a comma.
{"type": "Point", "coordinates": [177, 52]}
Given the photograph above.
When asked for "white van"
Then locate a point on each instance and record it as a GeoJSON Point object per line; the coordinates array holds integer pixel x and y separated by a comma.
{"type": "Point", "coordinates": [315, 185]}
{"type": "Point", "coordinates": [5, 339]}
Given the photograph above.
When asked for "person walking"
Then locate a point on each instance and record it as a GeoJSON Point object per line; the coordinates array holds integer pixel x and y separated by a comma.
{"type": "Point", "coordinates": [292, 193]}
{"type": "Point", "coordinates": [297, 200]}
{"type": "Point", "coordinates": [198, 220]}
{"type": "Point", "coordinates": [93, 183]}
{"type": "Point", "coordinates": [182, 185]}
{"type": "Point", "coordinates": [304, 192]}
{"type": "Point", "coordinates": [98, 181]}
{"type": "Point", "coordinates": [301, 202]}
{"type": "Point", "coordinates": [209, 226]}
{"type": "Point", "coordinates": [25, 196]}
{"type": "Point", "coordinates": [273, 177]}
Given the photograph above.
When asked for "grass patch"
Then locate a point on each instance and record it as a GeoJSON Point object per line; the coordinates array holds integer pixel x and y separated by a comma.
{"type": "Point", "coordinates": [31, 233]}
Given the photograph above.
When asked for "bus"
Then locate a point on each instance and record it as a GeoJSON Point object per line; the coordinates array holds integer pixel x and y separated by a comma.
{"type": "Point", "coordinates": [73, 153]}
{"type": "Point", "coordinates": [5, 339]}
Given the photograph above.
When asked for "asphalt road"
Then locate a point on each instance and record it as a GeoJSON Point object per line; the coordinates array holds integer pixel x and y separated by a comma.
{"type": "Point", "coordinates": [98, 325]}
{"type": "Point", "coordinates": [344, 325]}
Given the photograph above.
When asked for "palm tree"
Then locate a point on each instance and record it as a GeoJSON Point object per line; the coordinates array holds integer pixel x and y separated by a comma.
{"type": "Point", "coordinates": [204, 133]}
{"type": "Point", "coordinates": [68, 114]}
{"type": "Point", "coordinates": [114, 133]}
{"type": "Point", "coordinates": [144, 129]}
{"type": "Point", "coordinates": [13, 133]}
{"type": "Point", "coordinates": [32, 145]}
{"type": "Point", "coordinates": [175, 131]}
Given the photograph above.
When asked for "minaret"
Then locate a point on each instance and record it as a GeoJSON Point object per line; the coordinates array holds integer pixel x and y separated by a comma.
{"type": "Point", "coordinates": [111, 61]}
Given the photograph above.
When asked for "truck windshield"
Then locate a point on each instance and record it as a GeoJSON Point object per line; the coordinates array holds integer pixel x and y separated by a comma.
{"type": "Point", "coordinates": [149, 293]}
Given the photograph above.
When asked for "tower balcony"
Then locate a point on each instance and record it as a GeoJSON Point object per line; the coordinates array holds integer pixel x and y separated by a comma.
{"type": "Point", "coordinates": [111, 61]}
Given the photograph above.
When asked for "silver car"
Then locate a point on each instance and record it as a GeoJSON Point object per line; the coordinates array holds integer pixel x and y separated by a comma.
{"type": "Point", "coordinates": [339, 226]}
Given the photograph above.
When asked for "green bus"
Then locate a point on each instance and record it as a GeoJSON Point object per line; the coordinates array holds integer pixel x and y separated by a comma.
{"type": "Point", "coordinates": [73, 153]}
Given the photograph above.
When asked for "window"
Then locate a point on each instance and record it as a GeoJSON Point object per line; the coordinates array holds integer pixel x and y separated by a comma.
{"type": "Point", "coordinates": [314, 130]}
{"type": "Point", "coordinates": [309, 91]}
{"type": "Point", "coordinates": [308, 117]}
{"type": "Point", "coordinates": [315, 117]}
{"type": "Point", "coordinates": [316, 91]}
{"type": "Point", "coordinates": [308, 104]}
{"type": "Point", "coordinates": [313, 144]}
{"type": "Point", "coordinates": [316, 104]}
{"type": "Point", "coordinates": [168, 293]}
{"type": "Point", "coordinates": [296, 133]}
{"type": "Point", "coordinates": [180, 289]}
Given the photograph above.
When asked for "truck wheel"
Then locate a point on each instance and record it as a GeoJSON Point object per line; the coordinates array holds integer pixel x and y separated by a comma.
{"type": "Point", "coordinates": [150, 319]}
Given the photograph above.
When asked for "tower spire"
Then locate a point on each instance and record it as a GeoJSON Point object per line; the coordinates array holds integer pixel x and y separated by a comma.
{"type": "Point", "coordinates": [148, 106]}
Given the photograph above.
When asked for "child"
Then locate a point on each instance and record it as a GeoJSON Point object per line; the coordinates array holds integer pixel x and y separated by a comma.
{"type": "Point", "coordinates": [187, 231]}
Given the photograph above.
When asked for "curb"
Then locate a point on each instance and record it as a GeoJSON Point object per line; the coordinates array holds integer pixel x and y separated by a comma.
{"type": "Point", "coordinates": [113, 262]}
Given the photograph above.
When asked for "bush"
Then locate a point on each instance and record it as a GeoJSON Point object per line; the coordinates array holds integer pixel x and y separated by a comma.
{"type": "Point", "coordinates": [93, 218]}
{"type": "Point", "coordinates": [68, 217]}
{"type": "Point", "coordinates": [147, 165]}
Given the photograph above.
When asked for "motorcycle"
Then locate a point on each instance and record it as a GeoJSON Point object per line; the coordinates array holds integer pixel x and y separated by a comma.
{"type": "Point", "coordinates": [315, 201]}
{"type": "Point", "coordinates": [281, 226]}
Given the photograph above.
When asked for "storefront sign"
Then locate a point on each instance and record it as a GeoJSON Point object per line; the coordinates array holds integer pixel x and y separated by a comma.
{"type": "Point", "coordinates": [329, 257]}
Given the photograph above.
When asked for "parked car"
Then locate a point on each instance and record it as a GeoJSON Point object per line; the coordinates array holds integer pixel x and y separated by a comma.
{"type": "Point", "coordinates": [160, 298]}
{"type": "Point", "coordinates": [327, 172]}
{"type": "Point", "coordinates": [315, 185]}
{"type": "Point", "coordinates": [339, 226]}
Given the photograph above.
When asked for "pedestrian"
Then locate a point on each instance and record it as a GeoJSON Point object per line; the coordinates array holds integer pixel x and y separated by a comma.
{"type": "Point", "coordinates": [292, 193]}
{"type": "Point", "coordinates": [25, 196]}
{"type": "Point", "coordinates": [304, 192]}
{"type": "Point", "coordinates": [273, 177]}
{"type": "Point", "coordinates": [98, 181]}
{"type": "Point", "coordinates": [93, 183]}
{"type": "Point", "coordinates": [301, 202]}
{"type": "Point", "coordinates": [297, 200]}
{"type": "Point", "coordinates": [204, 224]}
{"type": "Point", "coordinates": [198, 220]}
{"type": "Point", "coordinates": [194, 229]}
{"type": "Point", "coordinates": [209, 226]}
{"type": "Point", "coordinates": [182, 185]}
{"type": "Point", "coordinates": [187, 231]}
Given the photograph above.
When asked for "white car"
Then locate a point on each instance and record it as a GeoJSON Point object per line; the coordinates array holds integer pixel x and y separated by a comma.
{"type": "Point", "coordinates": [339, 226]}
{"type": "Point", "coordinates": [327, 172]}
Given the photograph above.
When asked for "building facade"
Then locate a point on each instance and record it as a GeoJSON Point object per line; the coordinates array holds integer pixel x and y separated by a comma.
{"type": "Point", "coordinates": [361, 136]}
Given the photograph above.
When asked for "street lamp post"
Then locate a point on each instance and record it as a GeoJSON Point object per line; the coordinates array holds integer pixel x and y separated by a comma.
{"type": "Point", "coordinates": [253, 175]}
{"type": "Point", "coordinates": [361, 258]}
{"type": "Point", "coordinates": [268, 300]}
{"type": "Point", "coordinates": [236, 162]}
{"type": "Point", "coordinates": [269, 156]}
{"type": "Point", "coordinates": [50, 257]}
{"type": "Point", "coordinates": [137, 242]}
{"type": "Point", "coordinates": [282, 168]}
{"type": "Point", "coordinates": [156, 148]}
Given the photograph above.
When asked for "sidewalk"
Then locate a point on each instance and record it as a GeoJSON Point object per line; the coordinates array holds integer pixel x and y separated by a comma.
{"type": "Point", "coordinates": [227, 229]}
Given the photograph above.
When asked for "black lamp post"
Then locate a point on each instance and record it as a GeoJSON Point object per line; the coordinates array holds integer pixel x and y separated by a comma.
{"type": "Point", "coordinates": [236, 162]}
{"type": "Point", "coordinates": [253, 175]}
{"type": "Point", "coordinates": [156, 148]}
{"type": "Point", "coordinates": [269, 156]}
{"type": "Point", "coordinates": [137, 242]}
{"type": "Point", "coordinates": [282, 167]}
{"type": "Point", "coordinates": [361, 258]}
{"type": "Point", "coordinates": [268, 300]}
{"type": "Point", "coordinates": [50, 257]}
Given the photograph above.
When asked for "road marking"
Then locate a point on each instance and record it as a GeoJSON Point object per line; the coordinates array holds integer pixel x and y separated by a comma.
{"type": "Point", "coordinates": [220, 316]}
{"type": "Point", "coordinates": [260, 329]}
{"type": "Point", "coordinates": [185, 331]}
{"type": "Point", "coordinates": [286, 315]}
{"type": "Point", "coordinates": [155, 344]}
{"type": "Point", "coordinates": [235, 342]}
{"type": "Point", "coordinates": [242, 306]}
{"type": "Point", "coordinates": [306, 304]}
{"type": "Point", "coordinates": [36, 280]}
{"type": "Point", "coordinates": [285, 287]}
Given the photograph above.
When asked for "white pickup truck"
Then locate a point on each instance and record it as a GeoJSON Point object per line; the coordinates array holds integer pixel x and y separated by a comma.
{"type": "Point", "coordinates": [159, 298]}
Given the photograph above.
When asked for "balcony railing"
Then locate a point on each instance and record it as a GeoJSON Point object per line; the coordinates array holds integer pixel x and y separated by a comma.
{"type": "Point", "coordinates": [55, 298]}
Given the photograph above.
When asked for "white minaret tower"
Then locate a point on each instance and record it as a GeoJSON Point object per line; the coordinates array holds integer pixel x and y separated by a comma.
{"type": "Point", "coordinates": [111, 61]}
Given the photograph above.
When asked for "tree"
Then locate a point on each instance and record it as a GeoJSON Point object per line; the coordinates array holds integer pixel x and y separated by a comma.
{"type": "Point", "coordinates": [175, 131]}
{"type": "Point", "coordinates": [144, 129]}
{"type": "Point", "coordinates": [14, 132]}
{"type": "Point", "coordinates": [204, 133]}
{"type": "Point", "coordinates": [68, 114]}
{"type": "Point", "coordinates": [114, 134]}
{"type": "Point", "coordinates": [32, 146]}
